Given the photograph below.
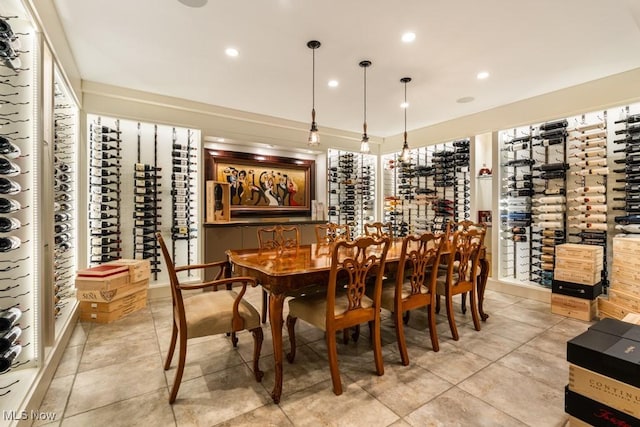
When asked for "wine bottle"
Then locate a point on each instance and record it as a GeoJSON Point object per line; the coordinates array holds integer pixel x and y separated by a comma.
{"type": "Point", "coordinates": [590, 143]}
{"type": "Point", "coordinates": [521, 238]}
{"type": "Point", "coordinates": [553, 191]}
{"type": "Point", "coordinates": [520, 162]}
{"type": "Point", "coordinates": [588, 208]}
{"type": "Point", "coordinates": [520, 193]}
{"type": "Point", "coordinates": [516, 147]}
{"type": "Point", "coordinates": [550, 224]}
{"type": "Point", "coordinates": [551, 200]}
{"type": "Point", "coordinates": [518, 230]}
{"type": "Point", "coordinates": [627, 219]}
{"type": "Point", "coordinates": [628, 187]}
{"type": "Point", "coordinates": [588, 225]}
{"type": "Point", "coordinates": [557, 124]}
{"type": "Point", "coordinates": [9, 317]}
{"type": "Point", "coordinates": [549, 142]}
{"type": "Point", "coordinates": [629, 228]}
{"type": "Point", "coordinates": [552, 167]}
{"type": "Point", "coordinates": [630, 179]}
{"type": "Point", "coordinates": [8, 148]}
{"type": "Point", "coordinates": [590, 199]}
{"type": "Point", "coordinates": [553, 233]}
{"type": "Point", "coordinates": [8, 168]}
{"type": "Point", "coordinates": [635, 128]}
{"type": "Point", "coordinates": [632, 118]}
{"type": "Point", "coordinates": [590, 235]}
{"type": "Point", "coordinates": [549, 208]}
{"type": "Point", "coordinates": [548, 266]}
{"type": "Point", "coordinates": [553, 134]}
{"type": "Point", "coordinates": [594, 171]}
{"type": "Point", "coordinates": [7, 358]}
{"type": "Point", "coordinates": [141, 167]}
{"type": "Point", "coordinates": [631, 139]}
{"type": "Point", "coordinates": [591, 162]}
{"type": "Point", "coordinates": [600, 189]}
{"type": "Point", "coordinates": [548, 217]}
{"type": "Point", "coordinates": [594, 217]}
{"type": "Point", "coordinates": [558, 174]}
{"type": "Point", "coordinates": [9, 338]}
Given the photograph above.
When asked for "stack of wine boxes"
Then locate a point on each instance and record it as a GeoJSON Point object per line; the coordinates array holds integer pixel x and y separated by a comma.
{"type": "Point", "coordinates": [604, 375]}
{"type": "Point", "coordinates": [624, 291]}
{"type": "Point", "coordinates": [577, 280]}
{"type": "Point", "coordinates": [113, 290]}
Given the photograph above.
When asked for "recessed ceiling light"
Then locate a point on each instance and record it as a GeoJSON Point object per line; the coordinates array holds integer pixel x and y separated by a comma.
{"type": "Point", "coordinates": [230, 51]}
{"type": "Point", "coordinates": [465, 99]}
{"type": "Point", "coordinates": [482, 75]}
{"type": "Point", "coordinates": [194, 3]}
{"type": "Point", "coordinates": [404, 105]}
{"type": "Point", "coordinates": [408, 37]}
{"type": "Point", "coordinates": [333, 83]}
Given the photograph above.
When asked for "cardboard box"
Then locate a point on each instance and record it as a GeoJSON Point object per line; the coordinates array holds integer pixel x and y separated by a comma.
{"type": "Point", "coordinates": [576, 308]}
{"type": "Point", "coordinates": [108, 307]}
{"type": "Point", "coordinates": [579, 264]}
{"type": "Point", "coordinates": [139, 269]}
{"type": "Point", "coordinates": [105, 283]}
{"type": "Point", "coordinates": [576, 289]}
{"type": "Point", "coordinates": [109, 295]}
{"type": "Point", "coordinates": [610, 309]}
{"type": "Point", "coordinates": [613, 393]}
{"type": "Point", "coordinates": [108, 317]}
{"type": "Point", "coordinates": [610, 347]}
{"type": "Point", "coordinates": [580, 277]}
{"type": "Point", "coordinates": [589, 412]}
{"type": "Point", "coordinates": [575, 250]}
{"type": "Point", "coordinates": [218, 200]}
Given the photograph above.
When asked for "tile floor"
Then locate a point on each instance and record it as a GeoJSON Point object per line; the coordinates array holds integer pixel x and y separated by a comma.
{"type": "Point", "coordinates": [512, 373]}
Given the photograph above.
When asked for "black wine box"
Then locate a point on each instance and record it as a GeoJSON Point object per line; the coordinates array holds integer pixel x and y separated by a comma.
{"type": "Point", "coordinates": [610, 347]}
{"type": "Point", "coordinates": [576, 289]}
{"type": "Point", "coordinates": [594, 412]}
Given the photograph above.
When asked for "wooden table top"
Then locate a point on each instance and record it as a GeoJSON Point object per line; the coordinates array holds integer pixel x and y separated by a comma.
{"type": "Point", "coordinates": [304, 259]}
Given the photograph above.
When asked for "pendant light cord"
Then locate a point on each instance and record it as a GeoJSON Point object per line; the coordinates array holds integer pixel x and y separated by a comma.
{"type": "Point", "coordinates": [313, 80]}
{"type": "Point", "coordinates": [365, 95]}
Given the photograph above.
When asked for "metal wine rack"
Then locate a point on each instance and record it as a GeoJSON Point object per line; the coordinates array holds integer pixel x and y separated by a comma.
{"type": "Point", "coordinates": [105, 161]}
{"type": "Point", "coordinates": [351, 189]}
{"type": "Point", "coordinates": [183, 180]}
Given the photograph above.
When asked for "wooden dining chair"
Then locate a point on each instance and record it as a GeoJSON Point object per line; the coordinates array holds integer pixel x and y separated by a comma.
{"type": "Point", "coordinates": [218, 311]}
{"type": "Point", "coordinates": [331, 232]}
{"type": "Point", "coordinates": [414, 285]}
{"type": "Point", "coordinates": [378, 229]}
{"type": "Point", "coordinates": [339, 310]}
{"type": "Point", "coordinates": [462, 273]}
{"type": "Point", "coordinates": [281, 238]}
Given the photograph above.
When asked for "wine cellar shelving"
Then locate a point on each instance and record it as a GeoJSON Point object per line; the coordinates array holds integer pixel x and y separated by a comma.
{"type": "Point", "coordinates": [153, 168]}
{"type": "Point", "coordinates": [351, 189]}
{"type": "Point", "coordinates": [19, 198]}
{"type": "Point", "coordinates": [426, 192]}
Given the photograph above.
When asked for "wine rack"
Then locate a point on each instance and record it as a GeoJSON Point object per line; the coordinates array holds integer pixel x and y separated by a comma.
{"type": "Point", "coordinates": [587, 183]}
{"type": "Point", "coordinates": [516, 165]}
{"type": "Point", "coordinates": [105, 165]}
{"type": "Point", "coordinates": [351, 189]}
{"type": "Point", "coordinates": [548, 150]}
{"type": "Point", "coordinates": [65, 124]}
{"type": "Point", "coordinates": [431, 189]}
{"type": "Point", "coordinates": [184, 160]}
{"type": "Point", "coordinates": [19, 198]}
{"type": "Point", "coordinates": [627, 166]}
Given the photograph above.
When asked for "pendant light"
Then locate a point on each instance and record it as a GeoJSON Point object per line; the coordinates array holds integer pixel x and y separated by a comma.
{"type": "Point", "coordinates": [364, 145]}
{"type": "Point", "coordinates": [405, 154]}
{"type": "Point", "coordinates": [314, 137]}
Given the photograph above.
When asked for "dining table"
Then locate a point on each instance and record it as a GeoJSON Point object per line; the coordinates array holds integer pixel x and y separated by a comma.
{"type": "Point", "coordinates": [285, 273]}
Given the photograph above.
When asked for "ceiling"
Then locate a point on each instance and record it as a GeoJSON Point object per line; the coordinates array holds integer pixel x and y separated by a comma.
{"type": "Point", "coordinates": [528, 47]}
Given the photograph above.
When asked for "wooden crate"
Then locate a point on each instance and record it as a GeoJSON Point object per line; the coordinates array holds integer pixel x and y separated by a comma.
{"type": "Point", "coordinates": [610, 309]}
{"type": "Point", "coordinates": [112, 316]}
{"type": "Point", "coordinates": [106, 283]}
{"type": "Point", "coordinates": [627, 286]}
{"type": "Point", "coordinates": [575, 250]}
{"type": "Point", "coordinates": [108, 295]}
{"type": "Point", "coordinates": [139, 269]}
{"type": "Point", "coordinates": [577, 422]}
{"type": "Point", "coordinates": [578, 264]}
{"type": "Point", "coordinates": [625, 273]}
{"type": "Point", "coordinates": [218, 200]}
{"type": "Point", "coordinates": [626, 245]}
{"type": "Point", "coordinates": [576, 308]}
{"type": "Point", "coordinates": [624, 299]}
{"type": "Point", "coordinates": [108, 307]}
{"type": "Point", "coordinates": [579, 277]}
{"type": "Point", "coordinates": [614, 393]}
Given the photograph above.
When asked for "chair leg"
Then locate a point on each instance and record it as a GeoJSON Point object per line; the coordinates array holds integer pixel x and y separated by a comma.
{"type": "Point", "coordinates": [258, 337]}
{"type": "Point", "coordinates": [291, 328]}
{"type": "Point", "coordinates": [377, 345]}
{"type": "Point", "coordinates": [450, 316]}
{"type": "Point", "coordinates": [182, 355]}
{"type": "Point", "coordinates": [474, 311]}
{"type": "Point", "coordinates": [172, 346]}
{"type": "Point", "coordinates": [265, 305]}
{"type": "Point", "coordinates": [464, 303]}
{"type": "Point", "coordinates": [402, 345]}
{"type": "Point", "coordinates": [333, 362]}
{"type": "Point", "coordinates": [356, 333]}
{"type": "Point", "coordinates": [432, 328]}
{"type": "Point", "coordinates": [405, 318]}
{"type": "Point", "coordinates": [234, 339]}
{"type": "Point", "coordinates": [345, 336]}
{"type": "Point", "coordinates": [437, 303]}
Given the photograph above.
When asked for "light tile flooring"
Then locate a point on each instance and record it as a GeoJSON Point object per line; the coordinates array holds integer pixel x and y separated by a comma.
{"type": "Point", "coordinates": [511, 373]}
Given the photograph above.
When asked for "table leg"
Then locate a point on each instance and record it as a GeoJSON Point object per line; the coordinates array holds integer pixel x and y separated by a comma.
{"type": "Point", "coordinates": [482, 284]}
{"type": "Point", "coordinates": [276, 304]}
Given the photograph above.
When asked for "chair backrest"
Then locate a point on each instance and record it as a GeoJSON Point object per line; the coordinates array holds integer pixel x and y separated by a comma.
{"type": "Point", "coordinates": [419, 262]}
{"type": "Point", "coordinates": [464, 225]}
{"type": "Point", "coordinates": [465, 250]}
{"type": "Point", "coordinates": [279, 237]}
{"type": "Point", "coordinates": [331, 232]}
{"type": "Point", "coordinates": [378, 229]}
{"type": "Point", "coordinates": [353, 264]}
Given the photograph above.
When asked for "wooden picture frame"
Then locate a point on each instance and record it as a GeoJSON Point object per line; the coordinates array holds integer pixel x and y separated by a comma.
{"type": "Point", "coordinates": [263, 185]}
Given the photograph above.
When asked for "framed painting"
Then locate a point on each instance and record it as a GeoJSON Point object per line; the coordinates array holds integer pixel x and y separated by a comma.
{"type": "Point", "coordinates": [263, 185]}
